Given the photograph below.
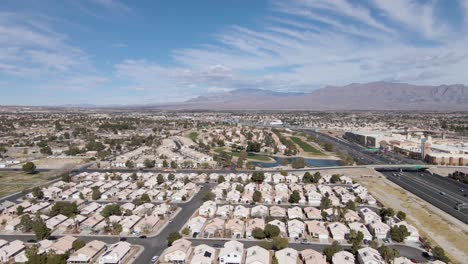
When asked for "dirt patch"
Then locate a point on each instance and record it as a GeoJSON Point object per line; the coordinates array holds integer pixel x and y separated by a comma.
{"type": "Point", "coordinates": [439, 227]}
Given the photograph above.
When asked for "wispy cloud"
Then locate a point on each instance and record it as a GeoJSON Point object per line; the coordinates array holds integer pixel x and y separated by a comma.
{"type": "Point", "coordinates": [307, 44]}
{"type": "Point", "coordinates": [30, 48]}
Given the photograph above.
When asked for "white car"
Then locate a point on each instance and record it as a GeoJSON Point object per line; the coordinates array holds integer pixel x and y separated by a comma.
{"type": "Point", "coordinates": [154, 259]}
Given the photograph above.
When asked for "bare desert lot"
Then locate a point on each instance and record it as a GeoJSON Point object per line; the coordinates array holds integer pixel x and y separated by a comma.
{"type": "Point", "coordinates": [15, 181]}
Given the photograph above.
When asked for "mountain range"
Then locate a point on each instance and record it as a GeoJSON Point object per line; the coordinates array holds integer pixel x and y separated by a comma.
{"type": "Point", "coordinates": [368, 96]}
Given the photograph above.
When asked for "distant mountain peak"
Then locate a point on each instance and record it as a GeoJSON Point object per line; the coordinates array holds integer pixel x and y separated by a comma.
{"type": "Point", "coordinates": [380, 95]}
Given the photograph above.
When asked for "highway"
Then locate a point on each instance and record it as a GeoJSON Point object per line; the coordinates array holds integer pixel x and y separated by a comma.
{"type": "Point", "coordinates": [423, 185]}
{"type": "Point", "coordinates": [439, 191]}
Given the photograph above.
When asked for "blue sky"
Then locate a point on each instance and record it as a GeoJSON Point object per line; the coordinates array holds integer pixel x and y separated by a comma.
{"type": "Point", "coordinates": [154, 51]}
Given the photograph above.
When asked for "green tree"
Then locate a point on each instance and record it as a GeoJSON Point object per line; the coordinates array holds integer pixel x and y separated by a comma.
{"type": "Point", "coordinates": [439, 254]}
{"type": "Point", "coordinates": [186, 231]}
{"type": "Point", "coordinates": [279, 243]}
{"type": "Point", "coordinates": [398, 233]}
{"type": "Point", "coordinates": [294, 197]}
{"type": "Point", "coordinates": [66, 177]}
{"type": "Point", "coordinates": [149, 163]}
{"type": "Point", "coordinates": [208, 196]}
{"type": "Point", "coordinates": [26, 223]}
{"type": "Point", "coordinates": [298, 163]}
{"type": "Point", "coordinates": [331, 250]}
{"type": "Point", "coordinates": [271, 231]}
{"type": "Point", "coordinates": [221, 179]}
{"type": "Point", "coordinates": [34, 257]}
{"type": "Point", "coordinates": [173, 237]}
{"type": "Point", "coordinates": [40, 229]}
{"type": "Point", "coordinates": [29, 167]}
{"type": "Point", "coordinates": [325, 203]}
{"type": "Point", "coordinates": [165, 164]}
{"type": "Point", "coordinates": [116, 228]}
{"type": "Point", "coordinates": [134, 176]}
{"type": "Point", "coordinates": [258, 233]}
{"type": "Point", "coordinates": [78, 243]}
{"type": "Point", "coordinates": [257, 196]}
{"type": "Point", "coordinates": [19, 210]}
{"type": "Point", "coordinates": [351, 205]}
{"type": "Point", "coordinates": [160, 179]}
{"type": "Point", "coordinates": [111, 209]}
{"type": "Point", "coordinates": [96, 194]}
{"type": "Point", "coordinates": [171, 176]}
{"type": "Point", "coordinates": [307, 178]}
{"type": "Point", "coordinates": [335, 178]}
{"type": "Point", "coordinates": [401, 215]}
{"type": "Point", "coordinates": [65, 208]}
{"type": "Point", "coordinates": [37, 193]}
{"type": "Point", "coordinates": [173, 165]}
{"type": "Point", "coordinates": [386, 212]}
{"type": "Point", "coordinates": [129, 164]}
{"type": "Point", "coordinates": [388, 254]}
{"type": "Point", "coordinates": [258, 176]}
{"type": "Point", "coordinates": [316, 178]}
{"type": "Point", "coordinates": [145, 198]}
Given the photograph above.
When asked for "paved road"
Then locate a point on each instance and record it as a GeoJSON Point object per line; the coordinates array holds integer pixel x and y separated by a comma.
{"type": "Point", "coordinates": [427, 186]}
{"type": "Point", "coordinates": [409, 252]}
{"type": "Point", "coordinates": [156, 245]}
{"type": "Point", "coordinates": [422, 185]}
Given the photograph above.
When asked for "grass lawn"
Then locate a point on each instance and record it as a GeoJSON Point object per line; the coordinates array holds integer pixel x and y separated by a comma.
{"type": "Point", "coordinates": [15, 181]}
{"type": "Point", "coordinates": [250, 156]}
{"type": "Point", "coordinates": [193, 136]}
{"type": "Point", "coordinates": [305, 146]}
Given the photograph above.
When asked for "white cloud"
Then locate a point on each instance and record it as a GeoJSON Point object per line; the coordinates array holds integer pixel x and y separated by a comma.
{"type": "Point", "coordinates": [30, 48]}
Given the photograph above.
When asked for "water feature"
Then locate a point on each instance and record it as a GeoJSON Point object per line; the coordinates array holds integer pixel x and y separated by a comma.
{"type": "Point", "coordinates": [308, 162]}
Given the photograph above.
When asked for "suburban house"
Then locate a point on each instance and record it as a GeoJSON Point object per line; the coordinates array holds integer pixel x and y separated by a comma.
{"type": "Point", "coordinates": [236, 228]}
{"type": "Point", "coordinates": [203, 254]}
{"type": "Point", "coordinates": [287, 256]}
{"type": "Point", "coordinates": [280, 225]}
{"type": "Point", "coordinates": [343, 257]}
{"type": "Point", "coordinates": [196, 224]}
{"type": "Point", "coordinates": [380, 229]}
{"type": "Point", "coordinates": [257, 255]}
{"type": "Point", "coordinates": [277, 212]}
{"type": "Point", "coordinates": [317, 229]}
{"type": "Point", "coordinates": [368, 255]}
{"type": "Point", "coordinates": [259, 211]}
{"type": "Point", "coordinates": [314, 197]}
{"type": "Point", "coordinates": [241, 211]}
{"type": "Point", "coordinates": [338, 231]}
{"type": "Point", "coordinates": [295, 213]}
{"type": "Point", "coordinates": [296, 229]}
{"type": "Point", "coordinates": [231, 253]}
{"type": "Point", "coordinates": [313, 213]}
{"type": "Point", "coordinates": [207, 209]}
{"type": "Point", "coordinates": [360, 227]}
{"type": "Point", "coordinates": [224, 211]}
{"type": "Point", "coordinates": [88, 253]}
{"type": "Point", "coordinates": [214, 228]}
{"type": "Point", "coordinates": [310, 256]}
{"type": "Point", "coordinates": [115, 253]}
{"type": "Point", "coordinates": [368, 215]}
{"type": "Point", "coordinates": [178, 252]}
{"type": "Point", "coordinates": [252, 224]}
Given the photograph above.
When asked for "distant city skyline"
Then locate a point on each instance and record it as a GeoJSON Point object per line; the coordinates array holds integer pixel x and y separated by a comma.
{"type": "Point", "coordinates": [140, 52]}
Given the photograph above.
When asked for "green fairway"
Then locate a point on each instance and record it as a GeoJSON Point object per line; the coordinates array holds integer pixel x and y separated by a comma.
{"type": "Point", "coordinates": [250, 156]}
{"type": "Point", "coordinates": [305, 146]}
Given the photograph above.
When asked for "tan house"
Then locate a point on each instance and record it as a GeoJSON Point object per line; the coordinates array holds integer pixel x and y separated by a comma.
{"type": "Point", "coordinates": [178, 252]}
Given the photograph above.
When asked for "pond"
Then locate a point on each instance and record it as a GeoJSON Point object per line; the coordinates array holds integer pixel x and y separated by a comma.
{"type": "Point", "coordinates": [308, 162]}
